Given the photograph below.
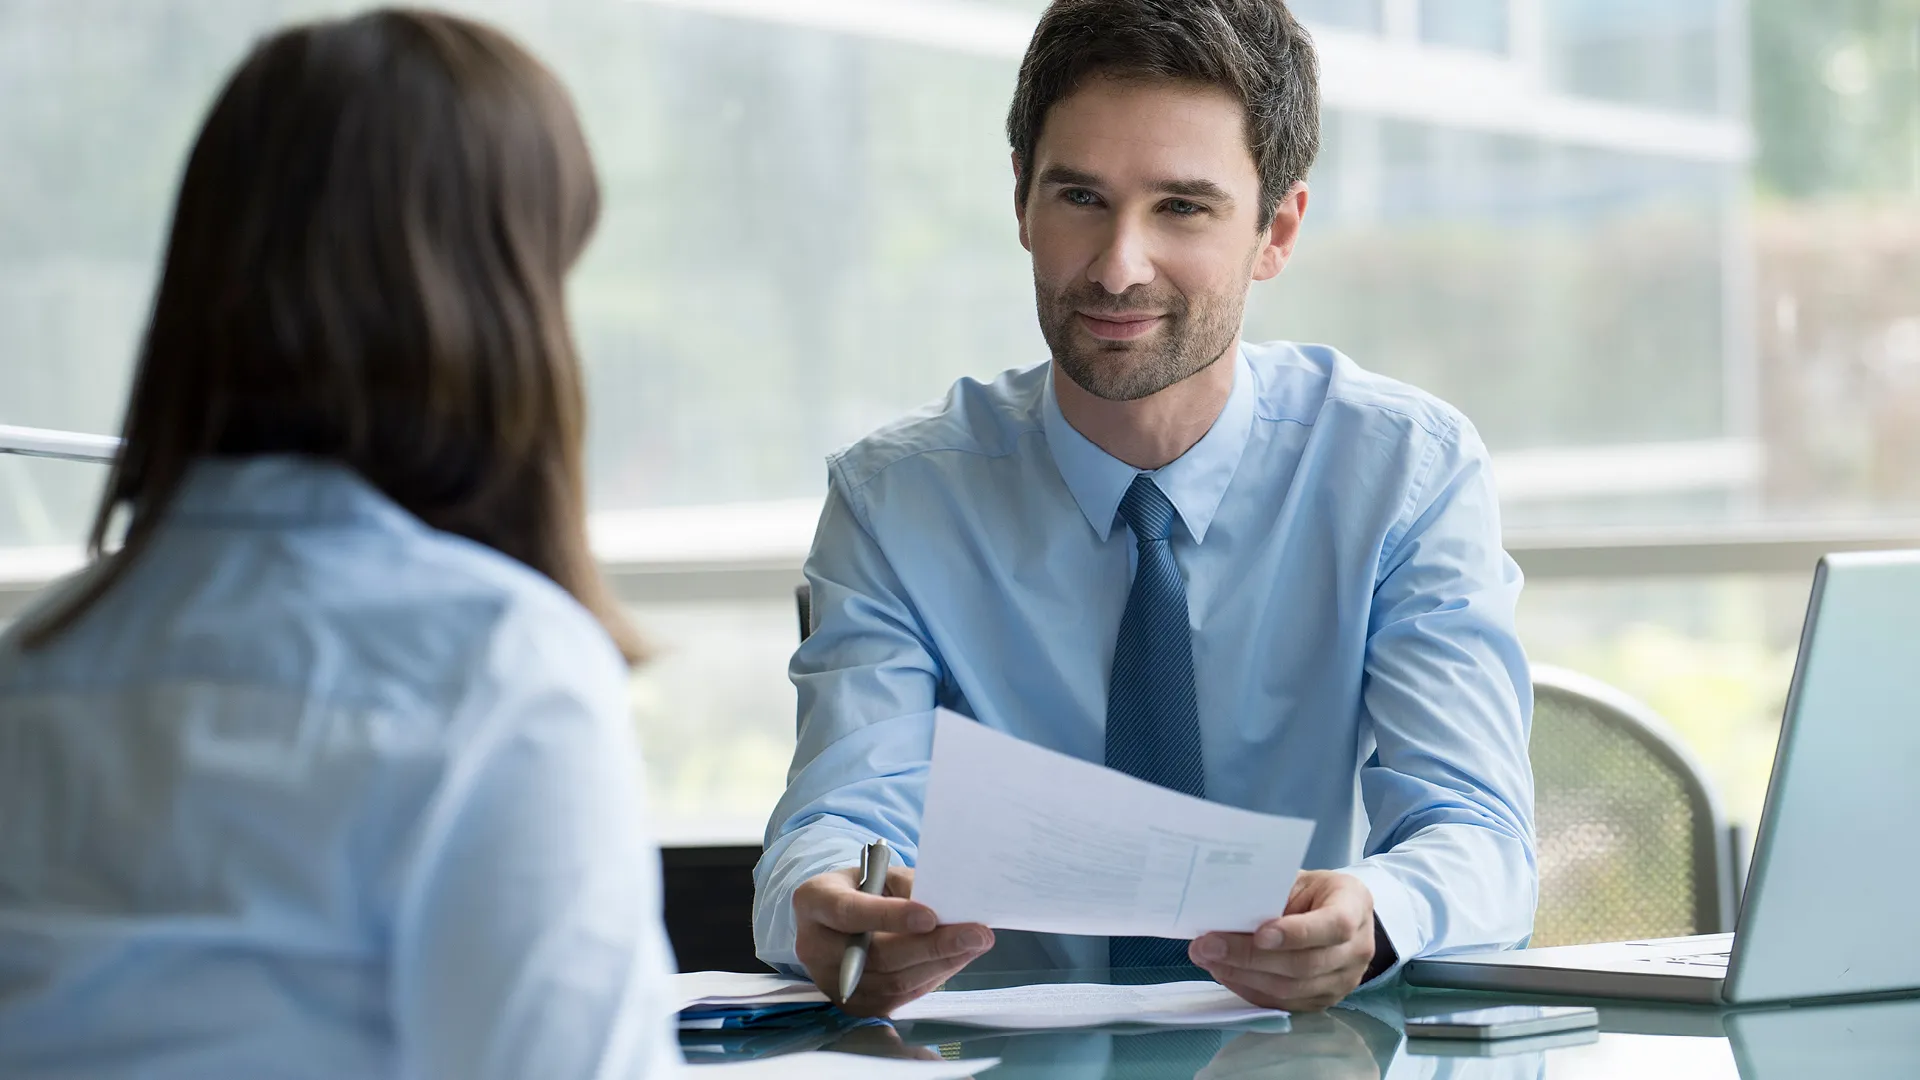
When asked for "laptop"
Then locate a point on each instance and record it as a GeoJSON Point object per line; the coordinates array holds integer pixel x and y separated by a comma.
{"type": "Point", "coordinates": [1828, 909]}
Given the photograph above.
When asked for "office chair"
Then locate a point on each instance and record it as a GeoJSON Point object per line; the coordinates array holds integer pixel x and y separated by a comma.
{"type": "Point", "coordinates": [1631, 838]}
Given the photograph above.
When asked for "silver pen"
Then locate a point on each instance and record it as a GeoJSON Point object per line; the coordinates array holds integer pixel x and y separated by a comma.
{"type": "Point", "coordinates": [874, 864]}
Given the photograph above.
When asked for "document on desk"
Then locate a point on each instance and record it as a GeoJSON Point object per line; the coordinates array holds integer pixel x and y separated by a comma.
{"type": "Point", "coordinates": [696, 988]}
{"type": "Point", "coordinates": [1020, 837]}
{"type": "Point", "coordinates": [1069, 1005]}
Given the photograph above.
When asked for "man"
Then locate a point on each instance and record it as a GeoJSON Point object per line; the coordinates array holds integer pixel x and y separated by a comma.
{"type": "Point", "coordinates": [1253, 573]}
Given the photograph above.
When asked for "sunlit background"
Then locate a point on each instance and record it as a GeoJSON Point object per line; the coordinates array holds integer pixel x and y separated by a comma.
{"type": "Point", "coordinates": [1665, 253]}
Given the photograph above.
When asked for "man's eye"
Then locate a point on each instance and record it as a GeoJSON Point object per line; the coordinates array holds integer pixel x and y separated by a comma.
{"type": "Point", "coordinates": [1080, 197]}
{"type": "Point", "coordinates": [1183, 208]}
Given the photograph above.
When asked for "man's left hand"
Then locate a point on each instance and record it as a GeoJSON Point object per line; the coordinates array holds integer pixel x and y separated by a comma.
{"type": "Point", "coordinates": [1306, 960]}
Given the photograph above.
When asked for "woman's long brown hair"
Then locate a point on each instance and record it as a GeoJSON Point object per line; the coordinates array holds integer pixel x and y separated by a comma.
{"type": "Point", "coordinates": [366, 265]}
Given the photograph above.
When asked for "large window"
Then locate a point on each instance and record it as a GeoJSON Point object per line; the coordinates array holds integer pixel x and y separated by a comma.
{"type": "Point", "coordinates": [1665, 253]}
{"type": "Point", "coordinates": [1467, 24]}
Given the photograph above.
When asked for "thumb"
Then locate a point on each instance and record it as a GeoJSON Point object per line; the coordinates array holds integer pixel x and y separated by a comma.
{"type": "Point", "coordinates": [835, 901]}
{"type": "Point", "coordinates": [1301, 883]}
{"type": "Point", "coordinates": [900, 881]}
{"type": "Point", "coordinates": [1308, 888]}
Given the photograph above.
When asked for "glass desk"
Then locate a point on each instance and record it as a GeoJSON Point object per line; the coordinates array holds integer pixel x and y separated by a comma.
{"type": "Point", "coordinates": [1363, 1039]}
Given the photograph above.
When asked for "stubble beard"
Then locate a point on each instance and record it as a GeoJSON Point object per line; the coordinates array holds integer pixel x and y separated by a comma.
{"type": "Point", "coordinates": [1190, 339]}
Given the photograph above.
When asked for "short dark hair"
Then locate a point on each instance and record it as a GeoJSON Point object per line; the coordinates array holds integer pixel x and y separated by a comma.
{"type": "Point", "coordinates": [366, 265]}
{"type": "Point", "coordinates": [1253, 49]}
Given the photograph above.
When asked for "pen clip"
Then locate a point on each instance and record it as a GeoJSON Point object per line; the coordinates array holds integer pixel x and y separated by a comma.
{"type": "Point", "coordinates": [873, 862]}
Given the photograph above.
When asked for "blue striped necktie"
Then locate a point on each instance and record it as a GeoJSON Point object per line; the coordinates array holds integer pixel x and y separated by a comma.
{"type": "Point", "coordinates": [1153, 723]}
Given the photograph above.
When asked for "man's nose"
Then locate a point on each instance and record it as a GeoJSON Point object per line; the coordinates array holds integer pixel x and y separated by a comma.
{"type": "Point", "coordinates": [1125, 260]}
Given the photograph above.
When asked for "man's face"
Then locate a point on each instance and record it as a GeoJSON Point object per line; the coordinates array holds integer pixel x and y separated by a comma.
{"type": "Point", "coordinates": [1143, 221]}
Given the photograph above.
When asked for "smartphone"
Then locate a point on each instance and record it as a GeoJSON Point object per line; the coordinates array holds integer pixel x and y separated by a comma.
{"type": "Point", "coordinates": [1502, 1022]}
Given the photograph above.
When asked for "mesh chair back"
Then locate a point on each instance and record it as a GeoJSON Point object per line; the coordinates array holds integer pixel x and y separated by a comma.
{"type": "Point", "coordinates": [1629, 831]}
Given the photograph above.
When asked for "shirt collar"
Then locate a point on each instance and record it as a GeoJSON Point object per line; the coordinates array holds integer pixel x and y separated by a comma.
{"type": "Point", "coordinates": [1195, 482]}
{"type": "Point", "coordinates": [278, 487]}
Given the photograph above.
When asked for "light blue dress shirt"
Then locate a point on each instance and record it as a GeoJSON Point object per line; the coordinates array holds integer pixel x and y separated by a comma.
{"type": "Point", "coordinates": [1353, 635]}
{"type": "Point", "coordinates": [319, 791]}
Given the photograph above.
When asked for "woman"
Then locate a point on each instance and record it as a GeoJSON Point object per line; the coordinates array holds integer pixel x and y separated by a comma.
{"type": "Point", "coordinates": [327, 769]}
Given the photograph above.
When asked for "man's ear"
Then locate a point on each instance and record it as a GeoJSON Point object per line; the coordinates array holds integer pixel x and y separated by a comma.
{"type": "Point", "coordinates": [1020, 204]}
{"type": "Point", "coordinates": [1281, 234]}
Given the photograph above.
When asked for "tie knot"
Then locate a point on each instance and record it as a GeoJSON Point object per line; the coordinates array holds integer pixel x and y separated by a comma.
{"type": "Point", "coordinates": [1147, 510]}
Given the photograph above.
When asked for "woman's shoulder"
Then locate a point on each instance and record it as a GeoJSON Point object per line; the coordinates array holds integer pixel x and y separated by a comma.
{"type": "Point", "coordinates": [534, 622]}
{"type": "Point", "coordinates": [479, 621]}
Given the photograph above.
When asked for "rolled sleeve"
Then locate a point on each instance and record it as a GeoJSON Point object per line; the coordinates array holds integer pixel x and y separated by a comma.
{"type": "Point", "coordinates": [1449, 790]}
{"type": "Point", "coordinates": [867, 679]}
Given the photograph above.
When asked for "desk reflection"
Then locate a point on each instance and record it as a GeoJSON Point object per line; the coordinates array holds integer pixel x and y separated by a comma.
{"type": "Point", "coordinates": [1364, 1039]}
{"type": "Point", "coordinates": [1869, 1040]}
{"type": "Point", "coordinates": [1346, 1043]}
{"type": "Point", "coordinates": [1320, 1045]}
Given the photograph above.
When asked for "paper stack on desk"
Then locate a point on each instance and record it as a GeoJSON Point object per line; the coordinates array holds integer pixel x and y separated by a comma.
{"type": "Point", "coordinates": [720, 1000]}
{"type": "Point", "coordinates": [1070, 1005]}
{"type": "Point", "coordinates": [703, 992]}
{"type": "Point", "coordinates": [1019, 837]}
{"type": "Point", "coordinates": [741, 988]}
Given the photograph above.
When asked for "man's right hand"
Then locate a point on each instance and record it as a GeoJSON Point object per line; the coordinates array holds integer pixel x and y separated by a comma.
{"type": "Point", "coordinates": [911, 953]}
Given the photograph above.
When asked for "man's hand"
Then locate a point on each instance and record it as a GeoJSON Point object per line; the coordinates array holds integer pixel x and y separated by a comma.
{"type": "Point", "coordinates": [1306, 960]}
{"type": "Point", "coordinates": [911, 954]}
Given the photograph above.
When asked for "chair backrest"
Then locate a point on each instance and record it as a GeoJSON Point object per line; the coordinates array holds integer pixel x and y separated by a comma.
{"type": "Point", "coordinates": [803, 602]}
{"type": "Point", "coordinates": [1632, 842]}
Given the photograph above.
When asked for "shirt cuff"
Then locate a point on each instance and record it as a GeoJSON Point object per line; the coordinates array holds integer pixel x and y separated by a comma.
{"type": "Point", "coordinates": [1394, 919]}
{"type": "Point", "coordinates": [802, 855]}
{"type": "Point", "coordinates": [1385, 956]}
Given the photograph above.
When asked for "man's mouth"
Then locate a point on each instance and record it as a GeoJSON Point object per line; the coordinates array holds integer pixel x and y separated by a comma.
{"type": "Point", "coordinates": [1121, 326]}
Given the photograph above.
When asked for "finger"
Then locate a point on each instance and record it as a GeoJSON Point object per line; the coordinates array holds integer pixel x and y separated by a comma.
{"type": "Point", "coordinates": [1279, 992]}
{"type": "Point", "coordinates": [821, 952]}
{"type": "Point", "coordinates": [815, 944]}
{"type": "Point", "coordinates": [1246, 951]}
{"type": "Point", "coordinates": [1285, 991]}
{"type": "Point", "coordinates": [1320, 994]}
{"type": "Point", "coordinates": [1259, 988]}
{"type": "Point", "coordinates": [896, 952]}
{"type": "Point", "coordinates": [823, 971]}
{"type": "Point", "coordinates": [1309, 963]}
{"type": "Point", "coordinates": [823, 962]}
{"type": "Point", "coordinates": [1303, 883]}
{"type": "Point", "coordinates": [1318, 928]}
{"type": "Point", "coordinates": [1269, 935]}
{"type": "Point", "coordinates": [1223, 950]}
{"type": "Point", "coordinates": [900, 881]}
{"type": "Point", "coordinates": [881, 992]}
{"type": "Point", "coordinates": [832, 901]}
{"type": "Point", "coordinates": [1292, 963]}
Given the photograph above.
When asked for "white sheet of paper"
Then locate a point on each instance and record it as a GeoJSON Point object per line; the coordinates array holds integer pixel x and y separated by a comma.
{"type": "Point", "coordinates": [1020, 837]}
{"type": "Point", "coordinates": [1068, 1005]}
{"type": "Point", "coordinates": [821, 1065]}
{"type": "Point", "coordinates": [740, 988]}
